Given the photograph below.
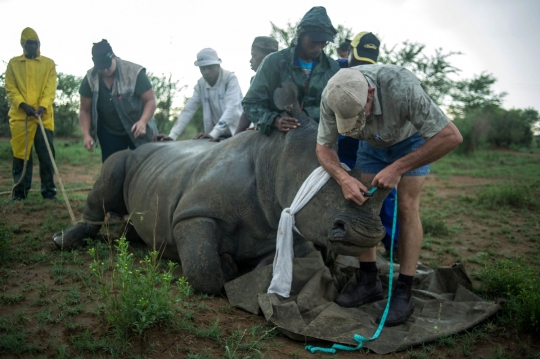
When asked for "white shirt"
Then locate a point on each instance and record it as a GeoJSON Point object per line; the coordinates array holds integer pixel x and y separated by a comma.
{"type": "Point", "coordinates": [222, 106]}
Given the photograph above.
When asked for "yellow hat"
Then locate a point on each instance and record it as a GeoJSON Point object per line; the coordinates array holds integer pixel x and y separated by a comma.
{"type": "Point", "coordinates": [28, 34]}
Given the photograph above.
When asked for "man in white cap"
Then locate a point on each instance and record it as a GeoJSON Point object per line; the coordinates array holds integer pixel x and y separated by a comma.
{"type": "Point", "coordinates": [219, 93]}
{"type": "Point", "coordinates": [403, 132]}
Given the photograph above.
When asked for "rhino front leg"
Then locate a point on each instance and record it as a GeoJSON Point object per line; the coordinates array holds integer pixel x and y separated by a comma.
{"type": "Point", "coordinates": [197, 243]}
{"type": "Point", "coordinates": [106, 195]}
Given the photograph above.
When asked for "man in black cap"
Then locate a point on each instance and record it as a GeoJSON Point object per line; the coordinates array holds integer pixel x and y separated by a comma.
{"type": "Point", "coordinates": [304, 63]}
{"type": "Point", "coordinates": [364, 49]}
{"type": "Point", "coordinates": [262, 46]}
{"type": "Point", "coordinates": [117, 103]}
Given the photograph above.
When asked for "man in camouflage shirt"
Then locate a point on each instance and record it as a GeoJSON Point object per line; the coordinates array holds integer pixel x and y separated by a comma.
{"type": "Point", "coordinates": [403, 131]}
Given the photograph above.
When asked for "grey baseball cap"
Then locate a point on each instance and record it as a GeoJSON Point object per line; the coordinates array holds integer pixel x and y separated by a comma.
{"type": "Point", "coordinates": [346, 95]}
{"type": "Point", "coordinates": [207, 57]}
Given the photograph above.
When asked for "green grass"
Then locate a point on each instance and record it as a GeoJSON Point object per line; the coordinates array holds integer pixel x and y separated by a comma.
{"type": "Point", "coordinates": [11, 299]}
{"type": "Point", "coordinates": [490, 164]}
{"type": "Point", "coordinates": [13, 338]}
{"type": "Point", "coordinates": [519, 284]}
{"type": "Point", "coordinates": [514, 195]}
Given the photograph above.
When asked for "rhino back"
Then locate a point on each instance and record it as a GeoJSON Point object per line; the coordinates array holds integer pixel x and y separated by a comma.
{"type": "Point", "coordinates": [188, 179]}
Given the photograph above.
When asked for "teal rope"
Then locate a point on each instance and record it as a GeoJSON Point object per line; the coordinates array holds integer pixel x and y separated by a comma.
{"type": "Point", "coordinates": [360, 339]}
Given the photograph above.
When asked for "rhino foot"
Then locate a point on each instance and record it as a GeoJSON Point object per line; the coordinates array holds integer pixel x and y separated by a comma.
{"type": "Point", "coordinates": [73, 237]}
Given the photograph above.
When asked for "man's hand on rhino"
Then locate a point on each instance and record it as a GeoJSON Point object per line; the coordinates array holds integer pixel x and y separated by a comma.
{"type": "Point", "coordinates": [387, 178]}
{"type": "Point", "coordinates": [286, 123]}
{"type": "Point", "coordinates": [205, 135]}
{"type": "Point", "coordinates": [352, 190]}
{"type": "Point", "coordinates": [161, 138]}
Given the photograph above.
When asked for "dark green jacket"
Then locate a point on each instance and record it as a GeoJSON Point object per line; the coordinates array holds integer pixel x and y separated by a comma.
{"type": "Point", "coordinates": [280, 67]}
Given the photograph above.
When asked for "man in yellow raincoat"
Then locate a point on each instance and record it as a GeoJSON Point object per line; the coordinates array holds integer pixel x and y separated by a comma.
{"type": "Point", "coordinates": [31, 87]}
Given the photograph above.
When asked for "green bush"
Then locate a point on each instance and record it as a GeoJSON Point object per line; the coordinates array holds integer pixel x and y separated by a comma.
{"type": "Point", "coordinates": [435, 227]}
{"type": "Point", "coordinates": [135, 299]}
{"type": "Point", "coordinates": [509, 195]}
{"type": "Point", "coordinates": [519, 284]}
{"type": "Point", "coordinates": [492, 125]}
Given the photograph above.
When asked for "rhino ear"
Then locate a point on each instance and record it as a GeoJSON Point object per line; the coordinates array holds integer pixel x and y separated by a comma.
{"type": "Point", "coordinates": [285, 95]}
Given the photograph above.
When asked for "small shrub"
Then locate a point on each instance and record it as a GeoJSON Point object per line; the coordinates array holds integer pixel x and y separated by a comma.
{"type": "Point", "coordinates": [11, 299]}
{"type": "Point", "coordinates": [435, 227]}
{"type": "Point", "coordinates": [519, 283]}
{"type": "Point", "coordinates": [136, 299]}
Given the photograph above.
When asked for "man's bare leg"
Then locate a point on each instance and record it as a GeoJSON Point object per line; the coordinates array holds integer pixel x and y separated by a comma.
{"type": "Point", "coordinates": [410, 242]}
{"type": "Point", "coordinates": [410, 234]}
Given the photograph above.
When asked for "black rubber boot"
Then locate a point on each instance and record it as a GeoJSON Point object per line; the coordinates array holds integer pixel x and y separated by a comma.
{"type": "Point", "coordinates": [21, 191]}
{"type": "Point", "coordinates": [368, 289]}
{"type": "Point", "coordinates": [401, 305]}
{"type": "Point", "coordinates": [46, 168]}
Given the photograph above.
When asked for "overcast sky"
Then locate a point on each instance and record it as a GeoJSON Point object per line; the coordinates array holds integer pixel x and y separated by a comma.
{"type": "Point", "coordinates": [498, 37]}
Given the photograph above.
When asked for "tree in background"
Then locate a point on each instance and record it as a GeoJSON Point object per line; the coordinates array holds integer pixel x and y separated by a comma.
{"type": "Point", "coordinates": [165, 90]}
{"type": "Point", "coordinates": [284, 36]}
{"type": "Point", "coordinates": [470, 95]}
{"type": "Point", "coordinates": [512, 128]}
{"type": "Point", "coordinates": [66, 105]}
{"type": "Point", "coordinates": [195, 126]}
{"type": "Point", "coordinates": [433, 71]}
{"type": "Point", "coordinates": [287, 36]}
{"type": "Point", "coordinates": [4, 107]}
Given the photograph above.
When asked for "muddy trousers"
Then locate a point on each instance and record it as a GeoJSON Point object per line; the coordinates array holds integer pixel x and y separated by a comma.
{"type": "Point", "coordinates": [46, 169]}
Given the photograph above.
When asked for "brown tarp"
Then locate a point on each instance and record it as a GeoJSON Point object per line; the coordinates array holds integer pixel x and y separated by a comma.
{"type": "Point", "coordinates": [444, 304]}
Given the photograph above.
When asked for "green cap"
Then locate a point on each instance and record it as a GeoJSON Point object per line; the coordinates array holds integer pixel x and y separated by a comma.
{"type": "Point", "coordinates": [265, 43]}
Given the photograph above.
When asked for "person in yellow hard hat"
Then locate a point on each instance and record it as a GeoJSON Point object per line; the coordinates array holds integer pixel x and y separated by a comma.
{"type": "Point", "coordinates": [31, 87]}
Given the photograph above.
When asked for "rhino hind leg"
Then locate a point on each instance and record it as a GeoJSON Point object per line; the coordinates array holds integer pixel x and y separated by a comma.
{"type": "Point", "coordinates": [197, 243]}
{"type": "Point", "coordinates": [107, 195]}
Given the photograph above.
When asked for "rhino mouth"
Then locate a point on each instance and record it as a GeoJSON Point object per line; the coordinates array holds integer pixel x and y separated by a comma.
{"type": "Point", "coordinates": [348, 240]}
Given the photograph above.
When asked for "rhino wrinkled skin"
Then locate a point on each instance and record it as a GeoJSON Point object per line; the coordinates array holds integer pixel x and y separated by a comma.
{"type": "Point", "coordinates": [216, 206]}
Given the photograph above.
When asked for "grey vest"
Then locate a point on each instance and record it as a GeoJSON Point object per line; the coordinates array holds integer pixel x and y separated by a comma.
{"type": "Point", "coordinates": [128, 106]}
